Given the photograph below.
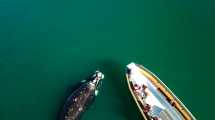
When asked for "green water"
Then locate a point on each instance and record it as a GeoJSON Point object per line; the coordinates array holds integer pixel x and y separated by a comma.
{"type": "Point", "coordinates": [48, 45]}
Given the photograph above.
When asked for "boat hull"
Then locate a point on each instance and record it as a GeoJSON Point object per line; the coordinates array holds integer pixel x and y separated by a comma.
{"type": "Point", "coordinates": [153, 98]}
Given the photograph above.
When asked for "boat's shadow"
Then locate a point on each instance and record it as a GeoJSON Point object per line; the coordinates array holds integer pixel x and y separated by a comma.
{"type": "Point", "coordinates": [116, 80]}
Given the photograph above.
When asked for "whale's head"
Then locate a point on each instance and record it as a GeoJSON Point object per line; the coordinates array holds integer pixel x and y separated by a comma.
{"type": "Point", "coordinates": [96, 80]}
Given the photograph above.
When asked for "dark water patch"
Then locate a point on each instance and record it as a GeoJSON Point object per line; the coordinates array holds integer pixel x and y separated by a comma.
{"type": "Point", "coordinates": [115, 75]}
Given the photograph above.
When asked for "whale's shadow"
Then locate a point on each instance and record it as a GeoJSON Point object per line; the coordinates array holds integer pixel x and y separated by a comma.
{"type": "Point", "coordinates": [115, 73]}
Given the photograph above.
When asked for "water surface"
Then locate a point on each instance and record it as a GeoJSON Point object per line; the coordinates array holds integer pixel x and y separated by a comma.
{"type": "Point", "coordinates": [47, 46]}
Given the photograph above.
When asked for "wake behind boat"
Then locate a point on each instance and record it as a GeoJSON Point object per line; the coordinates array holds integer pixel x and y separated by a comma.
{"type": "Point", "coordinates": [154, 100]}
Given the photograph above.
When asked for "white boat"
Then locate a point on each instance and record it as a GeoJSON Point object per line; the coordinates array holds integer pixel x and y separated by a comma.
{"type": "Point", "coordinates": [153, 98]}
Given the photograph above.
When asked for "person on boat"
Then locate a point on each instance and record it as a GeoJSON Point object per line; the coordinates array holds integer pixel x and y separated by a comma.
{"type": "Point", "coordinates": [140, 91]}
{"type": "Point", "coordinates": [146, 108]}
{"type": "Point", "coordinates": [155, 118]}
{"type": "Point", "coordinates": [136, 87]}
{"type": "Point", "coordinates": [144, 90]}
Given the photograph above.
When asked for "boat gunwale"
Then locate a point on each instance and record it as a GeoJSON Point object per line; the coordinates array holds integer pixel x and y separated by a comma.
{"type": "Point", "coordinates": [135, 99]}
